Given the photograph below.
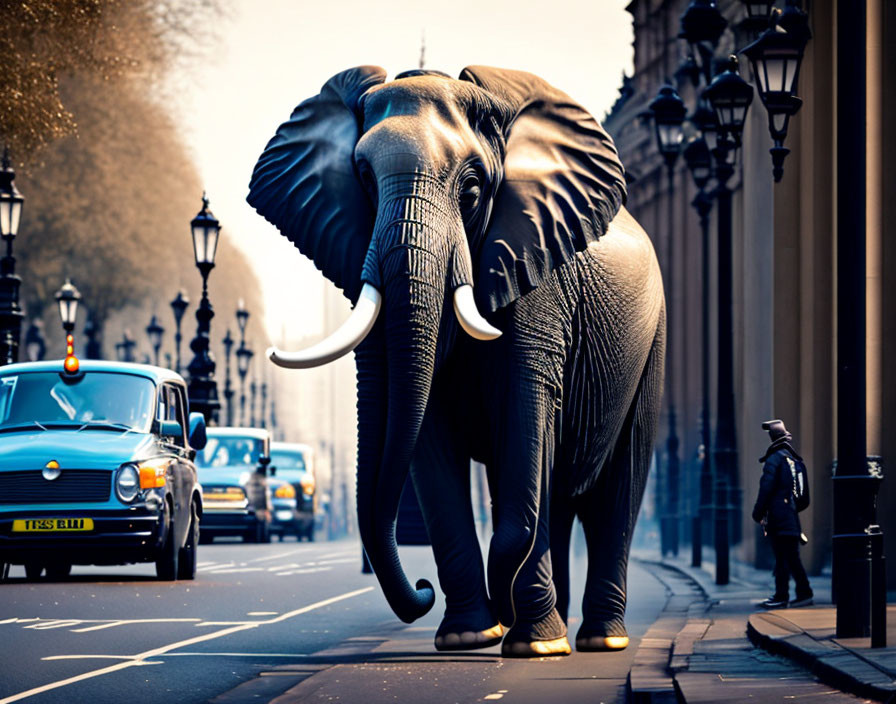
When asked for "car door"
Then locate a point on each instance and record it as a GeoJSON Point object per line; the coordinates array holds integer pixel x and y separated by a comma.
{"type": "Point", "coordinates": [183, 474]}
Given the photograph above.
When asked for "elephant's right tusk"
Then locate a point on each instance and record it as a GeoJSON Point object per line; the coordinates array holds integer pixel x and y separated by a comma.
{"type": "Point", "coordinates": [470, 318]}
{"type": "Point", "coordinates": [348, 336]}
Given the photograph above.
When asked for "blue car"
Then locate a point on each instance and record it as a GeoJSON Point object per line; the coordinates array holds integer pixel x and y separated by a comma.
{"type": "Point", "coordinates": [236, 495]}
{"type": "Point", "coordinates": [294, 490]}
{"type": "Point", "coordinates": [96, 468]}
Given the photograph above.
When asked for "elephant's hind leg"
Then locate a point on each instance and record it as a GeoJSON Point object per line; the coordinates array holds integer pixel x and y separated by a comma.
{"type": "Point", "coordinates": [608, 512]}
{"type": "Point", "coordinates": [441, 475]}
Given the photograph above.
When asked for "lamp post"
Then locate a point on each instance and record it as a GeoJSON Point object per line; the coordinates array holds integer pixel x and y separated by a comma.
{"type": "Point", "coordinates": [155, 331]}
{"type": "Point", "coordinates": [68, 298]}
{"type": "Point", "coordinates": [775, 58]}
{"type": "Point", "coordinates": [125, 348]}
{"type": "Point", "coordinates": [858, 577]}
{"type": "Point", "coordinates": [10, 311]}
{"type": "Point", "coordinates": [203, 391]}
{"type": "Point", "coordinates": [264, 403]}
{"type": "Point", "coordinates": [91, 331]}
{"type": "Point", "coordinates": [668, 115]}
{"type": "Point", "coordinates": [701, 26]}
{"type": "Point", "coordinates": [228, 388]}
{"type": "Point", "coordinates": [243, 359]}
{"type": "Point", "coordinates": [253, 389]}
{"type": "Point", "coordinates": [699, 161]}
{"type": "Point", "coordinates": [243, 356]}
{"type": "Point", "coordinates": [730, 97]}
{"type": "Point", "coordinates": [178, 307]}
{"type": "Point", "coordinates": [35, 344]}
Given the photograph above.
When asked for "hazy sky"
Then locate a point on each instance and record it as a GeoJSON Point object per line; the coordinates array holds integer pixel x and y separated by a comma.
{"type": "Point", "coordinates": [275, 53]}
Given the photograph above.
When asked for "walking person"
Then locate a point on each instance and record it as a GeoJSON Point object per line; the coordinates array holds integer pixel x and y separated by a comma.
{"type": "Point", "coordinates": [783, 491]}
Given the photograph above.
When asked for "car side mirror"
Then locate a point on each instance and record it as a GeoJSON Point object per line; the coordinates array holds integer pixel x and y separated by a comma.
{"type": "Point", "coordinates": [263, 463]}
{"type": "Point", "coordinates": [273, 471]}
{"type": "Point", "coordinates": [197, 431]}
{"type": "Point", "coordinates": [170, 429]}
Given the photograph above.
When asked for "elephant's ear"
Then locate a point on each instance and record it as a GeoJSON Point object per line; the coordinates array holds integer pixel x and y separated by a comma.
{"type": "Point", "coordinates": [563, 184]}
{"type": "Point", "coordinates": [305, 182]}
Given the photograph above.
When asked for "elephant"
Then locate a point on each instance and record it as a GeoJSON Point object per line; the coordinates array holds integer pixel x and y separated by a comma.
{"type": "Point", "coordinates": [508, 309]}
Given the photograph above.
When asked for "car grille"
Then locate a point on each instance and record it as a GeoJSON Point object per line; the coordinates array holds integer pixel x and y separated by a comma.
{"type": "Point", "coordinates": [72, 486]}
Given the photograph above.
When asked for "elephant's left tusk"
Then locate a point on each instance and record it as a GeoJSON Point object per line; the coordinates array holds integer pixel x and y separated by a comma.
{"type": "Point", "coordinates": [469, 317]}
{"type": "Point", "coordinates": [344, 340]}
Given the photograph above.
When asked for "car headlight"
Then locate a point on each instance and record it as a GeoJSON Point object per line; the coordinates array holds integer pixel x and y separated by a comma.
{"type": "Point", "coordinates": [285, 491]}
{"type": "Point", "coordinates": [308, 485]}
{"type": "Point", "coordinates": [127, 483]}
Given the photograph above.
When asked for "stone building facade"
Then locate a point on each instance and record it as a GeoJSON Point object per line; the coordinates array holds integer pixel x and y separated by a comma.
{"type": "Point", "coordinates": [785, 314]}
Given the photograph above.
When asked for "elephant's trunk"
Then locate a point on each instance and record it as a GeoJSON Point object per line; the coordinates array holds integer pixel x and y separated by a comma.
{"type": "Point", "coordinates": [410, 257]}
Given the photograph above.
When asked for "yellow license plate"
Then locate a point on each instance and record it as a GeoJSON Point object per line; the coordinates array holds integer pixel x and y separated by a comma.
{"type": "Point", "coordinates": [51, 525]}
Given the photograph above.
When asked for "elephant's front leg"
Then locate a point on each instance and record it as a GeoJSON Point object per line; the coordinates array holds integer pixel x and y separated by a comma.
{"type": "Point", "coordinates": [519, 567]}
{"type": "Point", "coordinates": [441, 475]}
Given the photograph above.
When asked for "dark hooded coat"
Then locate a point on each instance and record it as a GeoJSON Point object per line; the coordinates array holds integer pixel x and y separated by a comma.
{"type": "Point", "coordinates": [775, 500]}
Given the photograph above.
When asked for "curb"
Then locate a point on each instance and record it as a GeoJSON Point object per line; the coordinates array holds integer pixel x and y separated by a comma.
{"type": "Point", "coordinates": [667, 643]}
{"type": "Point", "coordinates": [828, 661]}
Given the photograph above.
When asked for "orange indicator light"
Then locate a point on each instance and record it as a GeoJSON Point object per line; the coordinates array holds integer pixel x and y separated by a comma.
{"type": "Point", "coordinates": [152, 477]}
{"type": "Point", "coordinates": [72, 364]}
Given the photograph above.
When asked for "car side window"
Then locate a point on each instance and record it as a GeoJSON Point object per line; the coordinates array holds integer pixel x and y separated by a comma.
{"type": "Point", "coordinates": [171, 408]}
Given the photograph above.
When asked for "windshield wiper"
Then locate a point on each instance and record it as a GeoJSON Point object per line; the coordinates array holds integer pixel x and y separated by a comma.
{"type": "Point", "coordinates": [105, 425]}
{"type": "Point", "coordinates": [21, 426]}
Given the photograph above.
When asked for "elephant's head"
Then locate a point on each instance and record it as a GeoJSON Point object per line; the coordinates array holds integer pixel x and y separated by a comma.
{"type": "Point", "coordinates": [411, 193]}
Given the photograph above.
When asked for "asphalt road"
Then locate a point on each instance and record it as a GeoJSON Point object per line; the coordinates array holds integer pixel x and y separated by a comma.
{"type": "Point", "coordinates": [116, 635]}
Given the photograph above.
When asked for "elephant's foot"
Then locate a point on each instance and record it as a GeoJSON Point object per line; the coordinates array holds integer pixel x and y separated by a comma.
{"type": "Point", "coordinates": [601, 637]}
{"type": "Point", "coordinates": [470, 640]}
{"type": "Point", "coordinates": [544, 638]}
{"type": "Point", "coordinates": [469, 631]}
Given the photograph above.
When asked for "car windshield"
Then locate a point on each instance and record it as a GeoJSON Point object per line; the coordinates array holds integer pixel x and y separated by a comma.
{"type": "Point", "coordinates": [96, 399]}
{"type": "Point", "coordinates": [288, 460]}
{"type": "Point", "coordinates": [230, 452]}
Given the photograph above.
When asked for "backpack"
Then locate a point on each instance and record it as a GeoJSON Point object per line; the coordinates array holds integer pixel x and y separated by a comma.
{"type": "Point", "coordinates": [800, 487]}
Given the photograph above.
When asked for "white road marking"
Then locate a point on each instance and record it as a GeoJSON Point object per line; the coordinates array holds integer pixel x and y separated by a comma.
{"type": "Point", "coordinates": [214, 566]}
{"type": "Point", "coordinates": [233, 570]}
{"type": "Point", "coordinates": [287, 566]}
{"type": "Point", "coordinates": [124, 622]}
{"type": "Point", "coordinates": [55, 623]}
{"type": "Point", "coordinates": [179, 655]}
{"type": "Point", "coordinates": [310, 570]}
{"type": "Point", "coordinates": [140, 658]}
{"type": "Point", "coordinates": [262, 613]}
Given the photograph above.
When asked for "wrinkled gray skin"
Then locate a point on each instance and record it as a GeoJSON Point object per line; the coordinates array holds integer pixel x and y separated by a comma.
{"type": "Point", "coordinates": [498, 180]}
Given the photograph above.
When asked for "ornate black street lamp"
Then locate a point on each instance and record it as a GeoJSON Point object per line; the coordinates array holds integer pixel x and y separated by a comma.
{"type": "Point", "coordinates": [701, 26]}
{"type": "Point", "coordinates": [10, 311]}
{"type": "Point", "coordinates": [202, 390]}
{"type": "Point", "coordinates": [228, 387]}
{"type": "Point", "coordinates": [243, 360]}
{"type": "Point", "coordinates": [730, 97]}
{"type": "Point", "coordinates": [125, 348]}
{"type": "Point", "coordinates": [178, 307]}
{"type": "Point", "coordinates": [68, 298]}
{"type": "Point", "coordinates": [35, 344]}
{"type": "Point", "coordinates": [264, 403]}
{"type": "Point", "coordinates": [155, 331]}
{"type": "Point", "coordinates": [775, 58]}
{"type": "Point", "coordinates": [757, 19]}
{"type": "Point", "coordinates": [699, 161]}
{"type": "Point", "coordinates": [253, 389]}
{"type": "Point", "coordinates": [668, 116]}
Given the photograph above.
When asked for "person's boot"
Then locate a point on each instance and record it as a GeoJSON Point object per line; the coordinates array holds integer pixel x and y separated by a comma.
{"type": "Point", "coordinates": [775, 602]}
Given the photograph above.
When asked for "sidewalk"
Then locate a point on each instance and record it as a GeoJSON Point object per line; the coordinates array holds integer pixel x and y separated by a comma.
{"type": "Point", "coordinates": [732, 650]}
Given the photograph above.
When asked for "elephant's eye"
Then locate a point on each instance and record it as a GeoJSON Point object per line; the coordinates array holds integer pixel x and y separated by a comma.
{"type": "Point", "coordinates": [470, 192]}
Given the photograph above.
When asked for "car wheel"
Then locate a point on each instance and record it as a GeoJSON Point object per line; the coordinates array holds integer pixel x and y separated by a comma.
{"type": "Point", "coordinates": [33, 570]}
{"type": "Point", "coordinates": [186, 564]}
{"type": "Point", "coordinates": [59, 570]}
{"type": "Point", "coordinates": [205, 538]}
{"type": "Point", "coordinates": [166, 564]}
